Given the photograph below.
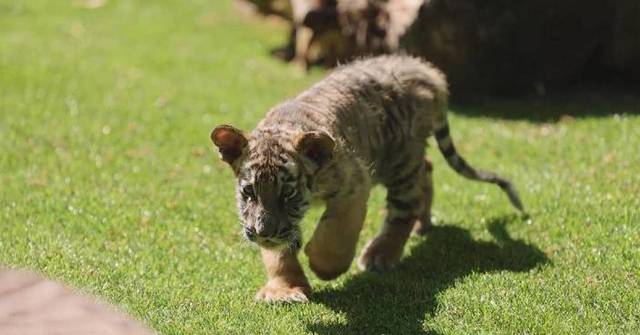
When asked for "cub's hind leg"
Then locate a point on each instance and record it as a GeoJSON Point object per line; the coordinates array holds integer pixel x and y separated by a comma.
{"type": "Point", "coordinates": [405, 206]}
{"type": "Point", "coordinates": [423, 223]}
{"type": "Point", "coordinates": [333, 244]}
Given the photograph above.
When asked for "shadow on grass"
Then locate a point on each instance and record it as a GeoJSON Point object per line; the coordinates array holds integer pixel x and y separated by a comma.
{"type": "Point", "coordinates": [563, 106]}
{"type": "Point", "coordinates": [397, 302]}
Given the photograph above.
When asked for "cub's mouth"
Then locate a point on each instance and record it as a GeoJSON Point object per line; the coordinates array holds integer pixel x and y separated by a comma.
{"type": "Point", "coordinates": [270, 243]}
{"type": "Point", "coordinates": [289, 237]}
{"type": "Point", "coordinates": [290, 240]}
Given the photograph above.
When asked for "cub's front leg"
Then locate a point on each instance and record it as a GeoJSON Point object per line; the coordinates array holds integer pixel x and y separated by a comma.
{"type": "Point", "coordinates": [286, 281]}
{"type": "Point", "coordinates": [333, 244]}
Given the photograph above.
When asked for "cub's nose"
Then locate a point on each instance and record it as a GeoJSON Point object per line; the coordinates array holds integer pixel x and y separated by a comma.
{"type": "Point", "coordinates": [265, 226]}
{"type": "Point", "coordinates": [265, 230]}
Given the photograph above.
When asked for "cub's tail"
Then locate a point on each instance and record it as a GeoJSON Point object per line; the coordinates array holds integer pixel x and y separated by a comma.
{"type": "Point", "coordinates": [456, 162]}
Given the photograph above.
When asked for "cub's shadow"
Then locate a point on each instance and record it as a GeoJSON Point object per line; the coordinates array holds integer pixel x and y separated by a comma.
{"type": "Point", "coordinates": [396, 302]}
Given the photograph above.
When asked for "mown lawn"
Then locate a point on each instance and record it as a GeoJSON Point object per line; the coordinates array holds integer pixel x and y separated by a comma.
{"type": "Point", "coordinates": [109, 183]}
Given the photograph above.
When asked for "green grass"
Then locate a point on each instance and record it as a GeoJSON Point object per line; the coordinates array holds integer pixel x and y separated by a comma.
{"type": "Point", "coordinates": [108, 182]}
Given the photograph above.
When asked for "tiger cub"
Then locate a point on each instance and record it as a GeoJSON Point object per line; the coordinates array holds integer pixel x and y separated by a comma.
{"type": "Point", "coordinates": [366, 123]}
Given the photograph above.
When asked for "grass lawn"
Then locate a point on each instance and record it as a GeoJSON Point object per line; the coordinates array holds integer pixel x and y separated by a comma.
{"type": "Point", "coordinates": [108, 182]}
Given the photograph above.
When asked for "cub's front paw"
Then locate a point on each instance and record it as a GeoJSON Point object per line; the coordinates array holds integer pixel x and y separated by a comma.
{"type": "Point", "coordinates": [379, 255]}
{"type": "Point", "coordinates": [271, 294]}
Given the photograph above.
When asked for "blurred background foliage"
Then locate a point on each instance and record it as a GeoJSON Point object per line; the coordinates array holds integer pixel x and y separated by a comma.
{"type": "Point", "coordinates": [496, 47]}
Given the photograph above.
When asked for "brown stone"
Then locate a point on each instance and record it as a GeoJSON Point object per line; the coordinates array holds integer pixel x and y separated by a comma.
{"type": "Point", "coordinates": [31, 305]}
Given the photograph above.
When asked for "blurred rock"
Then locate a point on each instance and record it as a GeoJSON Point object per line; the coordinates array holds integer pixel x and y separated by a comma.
{"type": "Point", "coordinates": [31, 305]}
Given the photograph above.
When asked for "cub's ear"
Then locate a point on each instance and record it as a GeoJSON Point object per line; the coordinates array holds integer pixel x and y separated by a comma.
{"type": "Point", "coordinates": [230, 142]}
{"type": "Point", "coordinates": [316, 145]}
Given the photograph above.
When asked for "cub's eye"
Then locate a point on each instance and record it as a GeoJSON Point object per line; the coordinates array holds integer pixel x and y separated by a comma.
{"type": "Point", "coordinates": [247, 192]}
{"type": "Point", "coordinates": [288, 192]}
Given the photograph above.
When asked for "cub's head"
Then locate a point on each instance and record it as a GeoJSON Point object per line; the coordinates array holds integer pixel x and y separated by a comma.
{"type": "Point", "coordinates": [273, 174]}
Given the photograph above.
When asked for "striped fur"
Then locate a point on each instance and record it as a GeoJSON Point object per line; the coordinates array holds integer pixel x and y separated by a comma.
{"type": "Point", "coordinates": [366, 123]}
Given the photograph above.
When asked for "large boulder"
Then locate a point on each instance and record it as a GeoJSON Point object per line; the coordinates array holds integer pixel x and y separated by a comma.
{"type": "Point", "coordinates": [509, 46]}
{"type": "Point", "coordinates": [622, 51]}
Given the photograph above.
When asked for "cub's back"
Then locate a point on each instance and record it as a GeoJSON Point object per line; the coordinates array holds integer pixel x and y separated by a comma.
{"type": "Point", "coordinates": [379, 105]}
{"type": "Point", "coordinates": [371, 106]}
